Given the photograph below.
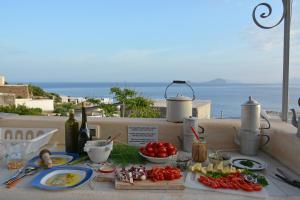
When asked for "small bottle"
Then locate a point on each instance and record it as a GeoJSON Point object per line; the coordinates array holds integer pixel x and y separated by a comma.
{"type": "Point", "coordinates": [71, 133]}
{"type": "Point", "coordinates": [84, 132]}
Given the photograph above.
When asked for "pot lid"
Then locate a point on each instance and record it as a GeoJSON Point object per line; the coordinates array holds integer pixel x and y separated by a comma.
{"type": "Point", "coordinates": [251, 102]}
{"type": "Point", "coordinates": [180, 97]}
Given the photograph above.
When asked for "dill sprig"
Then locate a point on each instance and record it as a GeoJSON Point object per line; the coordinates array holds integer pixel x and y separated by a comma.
{"type": "Point", "coordinates": [124, 155]}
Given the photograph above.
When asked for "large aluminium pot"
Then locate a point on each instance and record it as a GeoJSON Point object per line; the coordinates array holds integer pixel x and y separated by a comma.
{"type": "Point", "coordinates": [179, 107]}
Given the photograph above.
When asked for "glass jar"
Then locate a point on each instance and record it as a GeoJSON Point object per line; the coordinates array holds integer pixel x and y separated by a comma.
{"type": "Point", "coordinates": [199, 151]}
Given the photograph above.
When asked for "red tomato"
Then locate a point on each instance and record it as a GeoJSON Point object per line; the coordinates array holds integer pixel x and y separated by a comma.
{"type": "Point", "coordinates": [162, 149]}
{"type": "Point", "coordinates": [170, 146]}
{"type": "Point", "coordinates": [152, 154]}
{"type": "Point", "coordinates": [257, 187]}
{"type": "Point", "coordinates": [156, 150]}
{"type": "Point", "coordinates": [245, 187]}
{"type": "Point", "coordinates": [172, 152]}
{"type": "Point", "coordinates": [150, 144]}
{"type": "Point", "coordinates": [149, 149]}
{"type": "Point", "coordinates": [162, 155]}
{"type": "Point", "coordinates": [159, 144]}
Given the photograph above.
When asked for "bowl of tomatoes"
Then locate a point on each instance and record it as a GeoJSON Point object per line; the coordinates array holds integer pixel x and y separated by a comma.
{"type": "Point", "coordinates": [159, 152]}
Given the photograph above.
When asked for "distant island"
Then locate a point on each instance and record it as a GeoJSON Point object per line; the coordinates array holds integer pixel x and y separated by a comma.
{"type": "Point", "coordinates": [219, 81]}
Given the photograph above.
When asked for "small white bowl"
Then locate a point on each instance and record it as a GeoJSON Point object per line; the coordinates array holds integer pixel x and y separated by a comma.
{"type": "Point", "coordinates": [168, 159]}
{"type": "Point", "coordinates": [98, 153]}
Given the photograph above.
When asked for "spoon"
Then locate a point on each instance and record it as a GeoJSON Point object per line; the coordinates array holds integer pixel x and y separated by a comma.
{"type": "Point", "coordinates": [29, 171]}
{"type": "Point", "coordinates": [109, 141]}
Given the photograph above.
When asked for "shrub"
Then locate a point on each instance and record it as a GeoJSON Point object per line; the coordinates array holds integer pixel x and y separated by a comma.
{"type": "Point", "coordinates": [21, 110]}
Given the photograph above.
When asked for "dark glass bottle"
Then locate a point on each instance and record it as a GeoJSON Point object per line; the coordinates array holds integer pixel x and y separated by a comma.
{"type": "Point", "coordinates": [84, 132]}
{"type": "Point", "coordinates": [71, 133]}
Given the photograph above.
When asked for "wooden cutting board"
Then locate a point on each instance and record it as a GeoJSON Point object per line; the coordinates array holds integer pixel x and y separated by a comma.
{"type": "Point", "coordinates": [177, 184]}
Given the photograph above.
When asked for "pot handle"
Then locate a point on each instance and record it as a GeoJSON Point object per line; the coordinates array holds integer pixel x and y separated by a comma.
{"type": "Point", "coordinates": [267, 141]}
{"type": "Point", "coordinates": [202, 129]}
{"type": "Point", "coordinates": [264, 115]}
{"type": "Point", "coordinates": [180, 82]}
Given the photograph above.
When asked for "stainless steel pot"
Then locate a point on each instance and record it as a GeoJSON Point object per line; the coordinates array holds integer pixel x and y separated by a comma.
{"type": "Point", "coordinates": [180, 106]}
{"type": "Point", "coordinates": [250, 115]}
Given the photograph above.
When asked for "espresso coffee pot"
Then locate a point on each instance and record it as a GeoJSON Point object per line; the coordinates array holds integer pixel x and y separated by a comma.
{"type": "Point", "coordinates": [249, 136]}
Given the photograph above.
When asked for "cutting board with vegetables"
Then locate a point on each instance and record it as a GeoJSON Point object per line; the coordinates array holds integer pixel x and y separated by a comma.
{"type": "Point", "coordinates": [155, 178]}
{"type": "Point", "coordinates": [177, 184]}
{"type": "Point", "coordinates": [191, 181]}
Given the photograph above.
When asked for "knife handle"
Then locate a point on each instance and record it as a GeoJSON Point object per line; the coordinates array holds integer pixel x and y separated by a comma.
{"type": "Point", "coordinates": [296, 183]}
{"type": "Point", "coordinates": [15, 182]}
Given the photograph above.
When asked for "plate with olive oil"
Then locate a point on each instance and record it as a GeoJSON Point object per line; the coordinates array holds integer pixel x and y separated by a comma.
{"type": "Point", "coordinates": [249, 163]}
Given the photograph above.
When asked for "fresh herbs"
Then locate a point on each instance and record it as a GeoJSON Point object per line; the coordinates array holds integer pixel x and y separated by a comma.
{"type": "Point", "coordinates": [247, 163]}
{"type": "Point", "coordinates": [124, 155]}
{"type": "Point", "coordinates": [215, 174]}
{"type": "Point", "coordinates": [260, 179]}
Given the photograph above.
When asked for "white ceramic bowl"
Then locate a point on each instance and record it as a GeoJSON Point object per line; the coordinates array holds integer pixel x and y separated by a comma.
{"type": "Point", "coordinates": [98, 152]}
{"type": "Point", "coordinates": [160, 160]}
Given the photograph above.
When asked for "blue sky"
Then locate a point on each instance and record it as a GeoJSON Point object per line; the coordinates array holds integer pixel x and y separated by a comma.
{"type": "Point", "coordinates": [142, 40]}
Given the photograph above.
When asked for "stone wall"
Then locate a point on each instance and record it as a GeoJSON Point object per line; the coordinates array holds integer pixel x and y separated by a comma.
{"type": "Point", "coordinates": [21, 91]}
{"type": "Point", "coordinates": [47, 105]}
{"type": "Point", "coordinates": [7, 99]}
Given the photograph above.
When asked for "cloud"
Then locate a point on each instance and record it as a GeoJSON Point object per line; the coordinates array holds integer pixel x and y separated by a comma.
{"type": "Point", "coordinates": [271, 41]}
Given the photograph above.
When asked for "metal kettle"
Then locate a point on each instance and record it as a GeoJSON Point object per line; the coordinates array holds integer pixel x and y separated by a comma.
{"type": "Point", "coordinates": [179, 107]}
{"type": "Point", "coordinates": [249, 136]}
{"type": "Point", "coordinates": [294, 119]}
{"type": "Point", "coordinates": [251, 114]}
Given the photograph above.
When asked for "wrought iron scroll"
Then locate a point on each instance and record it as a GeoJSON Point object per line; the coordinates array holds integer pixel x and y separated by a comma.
{"type": "Point", "coordinates": [286, 17]}
{"type": "Point", "coordinates": [266, 14]}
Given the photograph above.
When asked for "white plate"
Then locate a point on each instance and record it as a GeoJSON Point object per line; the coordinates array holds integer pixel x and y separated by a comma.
{"type": "Point", "coordinates": [160, 160]}
{"type": "Point", "coordinates": [257, 163]}
{"type": "Point", "coordinates": [41, 179]}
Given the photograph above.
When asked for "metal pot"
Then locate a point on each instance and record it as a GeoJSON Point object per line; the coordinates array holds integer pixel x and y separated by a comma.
{"type": "Point", "coordinates": [250, 115]}
{"type": "Point", "coordinates": [180, 106]}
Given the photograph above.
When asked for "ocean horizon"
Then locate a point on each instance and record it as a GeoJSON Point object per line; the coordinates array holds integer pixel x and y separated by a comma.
{"type": "Point", "coordinates": [226, 98]}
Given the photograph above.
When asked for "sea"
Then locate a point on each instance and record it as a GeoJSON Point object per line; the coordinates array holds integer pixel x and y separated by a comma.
{"type": "Point", "coordinates": [225, 98]}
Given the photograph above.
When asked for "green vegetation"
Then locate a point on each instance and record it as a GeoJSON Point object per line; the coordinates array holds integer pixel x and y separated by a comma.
{"type": "Point", "coordinates": [260, 179]}
{"type": "Point", "coordinates": [215, 174]}
{"type": "Point", "coordinates": [37, 91]}
{"type": "Point", "coordinates": [123, 155]}
{"type": "Point", "coordinates": [21, 110]}
{"type": "Point", "coordinates": [63, 108]}
{"type": "Point", "coordinates": [133, 105]}
{"type": "Point", "coordinates": [247, 163]}
{"type": "Point", "coordinates": [123, 96]}
{"type": "Point", "coordinates": [108, 109]}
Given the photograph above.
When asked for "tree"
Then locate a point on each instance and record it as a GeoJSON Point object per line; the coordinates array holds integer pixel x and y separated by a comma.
{"type": "Point", "coordinates": [122, 96]}
{"type": "Point", "coordinates": [64, 108]}
{"type": "Point", "coordinates": [140, 107]}
{"type": "Point", "coordinates": [136, 106]}
{"type": "Point", "coordinates": [94, 101]}
{"type": "Point", "coordinates": [109, 109]}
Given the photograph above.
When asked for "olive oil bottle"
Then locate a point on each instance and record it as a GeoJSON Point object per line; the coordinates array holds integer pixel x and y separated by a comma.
{"type": "Point", "coordinates": [71, 133]}
{"type": "Point", "coordinates": [84, 132]}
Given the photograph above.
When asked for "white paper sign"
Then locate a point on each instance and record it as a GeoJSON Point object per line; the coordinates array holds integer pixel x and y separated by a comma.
{"type": "Point", "coordinates": [141, 135]}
